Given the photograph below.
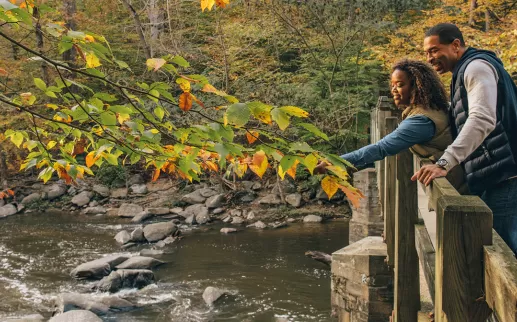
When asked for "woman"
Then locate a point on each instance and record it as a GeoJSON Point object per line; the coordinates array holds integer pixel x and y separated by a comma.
{"type": "Point", "coordinates": [418, 92]}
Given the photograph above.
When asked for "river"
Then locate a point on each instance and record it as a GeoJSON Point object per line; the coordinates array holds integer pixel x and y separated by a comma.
{"type": "Point", "coordinates": [267, 270]}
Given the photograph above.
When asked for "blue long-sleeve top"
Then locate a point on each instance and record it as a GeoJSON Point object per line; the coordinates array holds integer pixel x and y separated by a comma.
{"type": "Point", "coordinates": [413, 130]}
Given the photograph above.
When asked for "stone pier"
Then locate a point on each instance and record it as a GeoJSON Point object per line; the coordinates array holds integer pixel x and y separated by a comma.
{"type": "Point", "coordinates": [367, 220]}
{"type": "Point", "coordinates": [362, 284]}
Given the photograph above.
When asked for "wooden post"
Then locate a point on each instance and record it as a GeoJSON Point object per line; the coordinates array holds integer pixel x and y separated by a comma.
{"type": "Point", "coordinates": [390, 179]}
{"type": "Point", "coordinates": [407, 287]}
{"type": "Point", "coordinates": [464, 225]}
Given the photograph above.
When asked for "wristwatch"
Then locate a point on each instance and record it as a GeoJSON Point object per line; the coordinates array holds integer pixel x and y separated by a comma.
{"type": "Point", "coordinates": [442, 163]}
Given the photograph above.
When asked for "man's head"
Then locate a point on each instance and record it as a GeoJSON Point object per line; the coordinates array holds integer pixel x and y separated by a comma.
{"type": "Point", "coordinates": [444, 46]}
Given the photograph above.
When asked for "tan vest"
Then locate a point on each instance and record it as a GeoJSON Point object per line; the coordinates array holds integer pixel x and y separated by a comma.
{"type": "Point", "coordinates": [442, 138]}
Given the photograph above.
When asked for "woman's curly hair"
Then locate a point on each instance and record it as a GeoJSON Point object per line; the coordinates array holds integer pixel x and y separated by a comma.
{"type": "Point", "coordinates": [426, 88]}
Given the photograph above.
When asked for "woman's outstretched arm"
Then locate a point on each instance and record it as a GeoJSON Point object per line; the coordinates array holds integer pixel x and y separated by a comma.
{"type": "Point", "coordinates": [413, 130]}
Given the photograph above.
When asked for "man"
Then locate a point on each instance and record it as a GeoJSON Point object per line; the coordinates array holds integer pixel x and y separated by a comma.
{"type": "Point", "coordinates": [484, 124]}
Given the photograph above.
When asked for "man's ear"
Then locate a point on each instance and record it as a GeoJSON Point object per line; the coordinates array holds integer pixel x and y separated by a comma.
{"type": "Point", "coordinates": [456, 44]}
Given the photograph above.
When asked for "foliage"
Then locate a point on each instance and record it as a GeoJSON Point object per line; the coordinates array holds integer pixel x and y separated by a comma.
{"type": "Point", "coordinates": [110, 175]}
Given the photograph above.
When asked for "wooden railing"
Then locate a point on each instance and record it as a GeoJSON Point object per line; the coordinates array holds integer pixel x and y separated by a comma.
{"type": "Point", "coordinates": [471, 272]}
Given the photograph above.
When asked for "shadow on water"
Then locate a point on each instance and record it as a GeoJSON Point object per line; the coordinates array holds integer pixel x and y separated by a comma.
{"type": "Point", "coordinates": [266, 270]}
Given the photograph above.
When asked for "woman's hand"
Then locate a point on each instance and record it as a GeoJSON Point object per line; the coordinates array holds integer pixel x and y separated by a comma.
{"type": "Point", "coordinates": [321, 168]}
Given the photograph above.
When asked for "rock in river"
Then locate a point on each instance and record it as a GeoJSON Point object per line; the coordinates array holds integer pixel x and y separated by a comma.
{"type": "Point", "coordinates": [129, 210]}
{"type": "Point", "coordinates": [8, 210]}
{"type": "Point", "coordinates": [82, 199]}
{"type": "Point", "coordinates": [123, 237]}
{"type": "Point", "coordinates": [76, 316]}
{"type": "Point", "coordinates": [212, 294]}
{"type": "Point", "coordinates": [98, 268]}
{"type": "Point", "coordinates": [140, 262]}
{"type": "Point", "coordinates": [312, 218]}
{"type": "Point", "coordinates": [158, 231]}
{"type": "Point", "coordinates": [125, 278]}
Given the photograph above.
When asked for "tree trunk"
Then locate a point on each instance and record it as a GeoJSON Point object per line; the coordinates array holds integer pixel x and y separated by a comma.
{"type": "Point", "coordinates": [69, 10]}
{"type": "Point", "coordinates": [155, 21]}
{"type": "Point", "coordinates": [487, 20]}
{"type": "Point", "coordinates": [139, 29]}
{"type": "Point", "coordinates": [39, 44]}
{"type": "Point", "coordinates": [473, 6]}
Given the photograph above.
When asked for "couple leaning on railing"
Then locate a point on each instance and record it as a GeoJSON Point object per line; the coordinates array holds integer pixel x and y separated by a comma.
{"type": "Point", "coordinates": [472, 141]}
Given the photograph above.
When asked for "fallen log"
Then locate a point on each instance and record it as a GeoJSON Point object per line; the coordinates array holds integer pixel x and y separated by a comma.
{"type": "Point", "coordinates": [319, 256]}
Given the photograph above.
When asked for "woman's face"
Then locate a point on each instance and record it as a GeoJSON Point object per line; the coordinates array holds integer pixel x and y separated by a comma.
{"type": "Point", "coordinates": [400, 88]}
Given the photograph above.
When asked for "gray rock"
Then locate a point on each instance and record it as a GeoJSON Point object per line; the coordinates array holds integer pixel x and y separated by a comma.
{"type": "Point", "coordinates": [237, 221]}
{"type": "Point", "coordinates": [139, 189]}
{"type": "Point", "coordinates": [55, 191]}
{"type": "Point", "coordinates": [227, 219]}
{"type": "Point", "coordinates": [137, 235]}
{"type": "Point", "coordinates": [101, 190]}
{"type": "Point", "coordinates": [236, 212]}
{"type": "Point", "coordinates": [94, 210]}
{"type": "Point", "coordinates": [290, 220]}
{"type": "Point", "coordinates": [76, 316]}
{"type": "Point", "coordinates": [259, 225]}
{"type": "Point", "coordinates": [118, 193]}
{"type": "Point", "coordinates": [125, 278]}
{"type": "Point", "coordinates": [135, 179]}
{"type": "Point", "coordinates": [271, 199]}
{"type": "Point", "coordinates": [123, 237]}
{"type": "Point", "coordinates": [141, 216]}
{"type": "Point", "coordinates": [218, 211]}
{"type": "Point", "coordinates": [176, 210]}
{"type": "Point", "coordinates": [74, 301]}
{"type": "Point", "coordinates": [294, 199]}
{"type": "Point", "coordinates": [257, 186]}
{"type": "Point", "coordinates": [98, 268]}
{"type": "Point", "coordinates": [159, 211]}
{"type": "Point", "coordinates": [26, 318]}
{"type": "Point", "coordinates": [312, 219]}
{"type": "Point", "coordinates": [33, 197]}
{"type": "Point", "coordinates": [20, 207]}
{"type": "Point", "coordinates": [169, 240]}
{"type": "Point", "coordinates": [158, 231]}
{"type": "Point", "coordinates": [228, 230]}
{"type": "Point", "coordinates": [247, 185]}
{"type": "Point", "coordinates": [215, 201]}
{"type": "Point", "coordinates": [250, 216]}
{"type": "Point", "coordinates": [212, 294]}
{"type": "Point", "coordinates": [207, 192]}
{"type": "Point", "coordinates": [278, 225]}
{"type": "Point", "coordinates": [2, 202]}
{"type": "Point", "coordinates": [194, 210]}
{"type": "Point", "coordinates": [140, 262]}
{"type": "Point", "coordinates": [151, 252]}
{"type": "Point", "coordinates": [128, 245]}
{"type": "Point", "coordinates": [247, 197]}
{"type": "Point", "coordinates": [72, 191]}
{"type": "Point", "coordinates": [202, 218]}
{"type": "Point", "coordinates": [117, 304]}
{"type": "Point", "coordinates": [191, 220]}
{"type": "Point", "coordinates": [94, 203]}
{"type": "Point", "coordinates": [82, 198]}
{"type": "Point", "coordinates": [129, 210]}
{"type": "Point", "coordinates": [8, 210]}
{"type": "Point", "coordinates": [194, 198]}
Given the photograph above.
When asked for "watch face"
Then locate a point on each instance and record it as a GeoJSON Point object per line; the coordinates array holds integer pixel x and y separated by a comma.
{"type": "Point", "coordinates": [441, 163]}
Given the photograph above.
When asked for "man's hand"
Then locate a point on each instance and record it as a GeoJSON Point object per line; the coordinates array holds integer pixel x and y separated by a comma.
{"type": "Point", "coordinates": [321, 168]}
{"type": "Point", "coordinates": [428, 173]}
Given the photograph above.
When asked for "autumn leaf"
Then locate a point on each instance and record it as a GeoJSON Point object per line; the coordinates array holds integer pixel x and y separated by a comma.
{"type": "Point", "coordinates": [330, 186]}
{"type": "Point", "coordinates": [259, 164]}
{"type": "Point", "coordinates": [155, 63]}
{"type": "Point", "coordinates": [292, 170]}
{"type": "Point", "coordinates": [185, 102]}
{"type": "Point", "coordinates": [78, 147]}
{"type": "Point", "coordinates": [89, 38]}
{"type": "Point", "coordinates": [207, 4]}
{"type": "Point", "coordinates": [294, 111]}
{"type": "Point", "coordinates": [222, 3]}
{"type": "Point", "coordinates": [198, 102]}
{"type": "Point", "coordinates": [10, 192]}
{"type": "Point", "coordinates": [156, 174]}
{"type": "Point", "coordinates": [91, 159]}
{"type": "Point", "coordinates": [3, 72]}
{"type": "Point", "coordinates": [252, 136]}
{"type": "Point", "coordinates": [92, 60]}
{"type": "Point", "coordinates": [311, 161]}
{"type": "Point", "coordinates": [184, 84]}
{"type": "Point", "coordinates": [353, 195]}
{"type": "Point", "coordinates": [209, 89]}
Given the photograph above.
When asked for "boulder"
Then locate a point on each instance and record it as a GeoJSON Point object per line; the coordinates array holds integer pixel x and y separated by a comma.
{"type": "Point", "coordinates": [135, 179]}
{"type": "Point", "coordinates": [194, 198]}
{"type": "Point", "coordinates": [271, 199]}
{"type": "Point", "coordinates": [212, 294]}
{"type": "Point", "coordinates": [259, 225]}
{"type": "Point", "coordinates": [101, 190]}
{"type": "Point", "coordinates": [139, 189]}
{"type": "Point", "coordinates": [158, 231]}
{"type": "Point", "coordinates": [215, 201]}
{"type": "Point", "coordinates": [250, 216]}
{"type": "Point", "coordinates": [195, 210]}
{"type": "Point", "coordinates": [118, 193]}
{"type": "Point", "coordinates": [176, 210]}
{"type": "Point", "coordinates": [227, 219]}
{"type": "Point", "coordinates": [98, 268]}
{"type": "Point", "coordinates": [82, 198]}
{"type": "Point", "coordinates": [137, 235]}
{"type": "Point", "coordinates": [94, 210]}
{"type": "Point", "coordinates": [125, 278]}
{"type": "Point", "coordinates": [33, 197]}
{"type": "Point", "coordinates": [236, 212]}
{"type": "Point", "coordinates": [8, 210]}
{"type": "Point", "coordinates": [76, 316]}
{"type": "Point", "coordinates": [151, 252]}
{"type": "Point", "coordinates": [55, 191]}
{"type": "Point", "coordinates": [191, 220]}
{"type": "Point", "coordinates": [26, 318]}
{"type": "Point", "coordinates": [246, 197]}
{"type": "Point", "coordinates": [74, 301]}
{"type": "Point", "coordinates": [276, 225]}
{"type": "Point", "coordinates": [202, 218]}
{"type": "Point", "coordinates": [294, 199]}
{"type": "Point", "coordinates": [140, 262]}
{"type": "Point", "coordinates": [312, 219]}
{"type": "Point", "coordinates": [207, 192]}
{"type": "Point", "coordinates": [237, 221]}
{"type": "Point", "coordinates": [159, 211]}
{"type": "Point", "coordinates": [123, 237]}
{"type": "Point", "coordinates": [117, 304]}
{"type": "Point", "coordinates": [129, 210]}
{"type": "Point", "coordinates": [218, 211]}
{"type": "Point", "coordinates": [94, 203]}
{"type": "Point", "coordinates": [228, 230]}
{"type": "Point", "coordinates": [141, 216]}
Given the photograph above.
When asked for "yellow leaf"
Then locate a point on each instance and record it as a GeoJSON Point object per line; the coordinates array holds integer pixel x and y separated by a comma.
{"type": "Point", "coordinates": [92, 61]}
{"type": "Point", "coordinates": [155, 63]}
{"type": "Point", "coordinates": [89, 38]}
{"type": "Point", "coordinates": [184, 84]}
{"type": "Point", "coordinates": [209, 89]}
{"type": "Point", "coordinates": [330, 186]}
{"type": "Point", "coordinates": [294, 111]}
{"type": "Point", "coordinates": [185, 102]}
{"type": "Point", "coordinates": [207, 4]}
{"type": "Point", "coordinates": [122, 117]}
{"type": "Point", "coordinates": [259, 164]}
{"type": "Point", "coordinates": [240, 169]}
{"type": "Point", "coordinates": [311, 162]}
{"type": "Point", "coordinates": [91, 159]}
{"type": "Point", "coordinates": [252, 136]}
{"type": "Point", "coordinates": [338, 171]}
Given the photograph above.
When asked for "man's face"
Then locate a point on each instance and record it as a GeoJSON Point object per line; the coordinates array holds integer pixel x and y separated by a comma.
{"type": "Point", "coordinates": [442, 57]}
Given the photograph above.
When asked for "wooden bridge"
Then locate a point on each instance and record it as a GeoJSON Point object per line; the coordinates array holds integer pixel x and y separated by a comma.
{"type": "Point", "coordinates": [470, 272]}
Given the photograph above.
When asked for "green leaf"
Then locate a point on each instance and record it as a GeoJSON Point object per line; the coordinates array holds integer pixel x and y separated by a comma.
{"type": "Point", "coordinates": [46, 174]}
{"type": "Point", "coordinates": [106, 97]}
{"type": "Point", "coordinates": [95, 72]}
{"type": "Point", "coordinates": [40, 84]}
{"type": "Point", "coordinates": [65, 44]}
{"type": "Point", "coordinates": [135, 157]}
{"type": "Point", "coordinates": [111, 158]}
{"type": "Point", "coordinates": [154, 95]}
{"type": "Point", "coordinates": [288, 161]}
{"type": "Point", "coordinates": [311, 161]}
{"type": "Point", "coordinates": [122, 64]}
{"type": "Point", "coordinates": [17, 138]}
{"type": "Point", "coordinates": [121, 109]}
{"type": "Point", "coordinates": [238, 114]}
{"type": "Point", "coordinates": [301, 146]}
{"type": "Point", "coordinates": [50, 94]}
{"type": "Point", "coordinates": [22, 15]}
{"type": "Point", "coordinates": [281, 118]}
{"type": "Point", "coordinates": [108, 119]}
{"type": "Point", "coordinates": [159, 112]}
{"type": "Point", "coordinates": [180, 61]}
{"type": "Point", "coordinates": [314, 130]}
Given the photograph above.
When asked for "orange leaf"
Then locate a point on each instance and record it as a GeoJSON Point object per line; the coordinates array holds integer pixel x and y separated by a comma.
{"type": "Point", "coordinates": [10, 192]}
{"type": "Point", "coordinates": [2, 195]}
{"type": "Point", "coordinates": [353, 195]}
{"type": "Point", "coordinates": [3, 72]}
{"type": "Point", "coordinates": [156, 174]}
{"type": "Point", "coordinates": [78, 148]}
{"type": "Point", "coordinates": [330, 186]}
{"type": "Point", "coordinates": [185, 102]}
{"type": "Point", "coordinates": [209, 89]}
{"type": "Point", "coordinates": [211, 165]}
{"type": "Point", "coordinates": [259, 164]}
{"type": "Point", "coordinates": [91, 159]}
{"type": "Point", "coordinates": [292, 170]}
{"type": "Point", "coordinates": [252, 136]}
{"type": "Point", "coordinates": [222, 3]}
{"type": "Point", "coordinates": [197, 101]}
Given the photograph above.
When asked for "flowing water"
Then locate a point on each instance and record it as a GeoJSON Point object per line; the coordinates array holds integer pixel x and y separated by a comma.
{"type": "Point", "coordinates": [266, 270]}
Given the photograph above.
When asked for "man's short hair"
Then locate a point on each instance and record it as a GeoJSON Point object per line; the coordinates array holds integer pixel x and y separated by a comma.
{"type": "Point", "coordinates": [447, 33]}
